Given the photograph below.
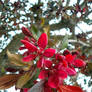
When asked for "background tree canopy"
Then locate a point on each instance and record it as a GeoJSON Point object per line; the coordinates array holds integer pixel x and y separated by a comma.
{"type": "Point", "coordinates": [51, 17]}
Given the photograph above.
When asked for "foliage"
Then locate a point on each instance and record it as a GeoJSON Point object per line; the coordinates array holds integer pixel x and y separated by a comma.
{"type": "Point", "coordinates": [48, 57]}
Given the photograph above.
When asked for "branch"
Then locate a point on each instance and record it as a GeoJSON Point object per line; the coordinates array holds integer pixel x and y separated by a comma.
{"type": "Point", "coordinates": [60, 25]}
{"type": "Point", "coordinates": [80, 42]}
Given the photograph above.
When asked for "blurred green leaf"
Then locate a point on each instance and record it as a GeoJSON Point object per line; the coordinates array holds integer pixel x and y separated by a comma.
{"type": "Point", "coordinates": [30, 83]}
{"type": "Point", "coordinates": [64, 42]}
{"type": "Point", "coordinates": [36, 32]}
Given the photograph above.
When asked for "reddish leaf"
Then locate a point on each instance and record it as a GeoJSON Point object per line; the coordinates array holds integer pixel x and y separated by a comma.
{"type": "Point", "coordinates": [49, 52]}
{"type": "Point", "coordinates": [10, 69]}
{"type": "Point", "coordinates": [43, 74]}
{"type": "Point", "coordinates": [70, 58]}
{"type": "Point", "coordinates": [68, 88]}
{"type": "Point", "coordinates": [27, 39]}
{"type": "Point", "coordinates": [59, 57]}
{"type": "Point", "coordinates": [42, 41]}
{"type": "Point", "coordinates": [29, 57]}
{"type": "Point", "coordinates": [40, 62]}
{"type": "Point", "coordinates": [53, 81]}
{"type": "Point", "coordinates": [62, 74]}
{"type": "Point", "coordinates": [26, 31]}
{"type": "Point", "coordinates": [8, 80]}
{"type": "Point", "coordinates": [70, 71]}
{"type": "Point", "coordinates": [29, 46]}
{"type": "Point", "coordinates": [48, 63]}
{"type": "Point", "coordinates": [65, 64]}
{"type": "Point", "coordinates": [79, 63]}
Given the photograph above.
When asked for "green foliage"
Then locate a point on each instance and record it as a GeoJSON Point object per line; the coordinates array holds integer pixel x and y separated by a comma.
{"type": "Point", "coordinates": [64, 42]}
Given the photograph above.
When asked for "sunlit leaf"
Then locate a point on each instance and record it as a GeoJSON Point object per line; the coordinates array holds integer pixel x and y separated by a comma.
{"type": "Point", "coordinates": [16, 59]}
{"type": "Point", "coordinates": [42, 21]}
{"type": "Point", "coordinates": [64, 42]}
{"type": "Point", "coordinates": [47, 30]}
{"type": "Point", "coordinates": [30, 83]}
{"type": "Point", "coordinates": [23, 80]}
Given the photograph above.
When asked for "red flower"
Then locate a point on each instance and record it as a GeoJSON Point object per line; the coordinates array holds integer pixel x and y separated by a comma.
{"type": "Point", "coordinates": [52, 70]}
{"type": "Point", "coordinates": [41, 51]}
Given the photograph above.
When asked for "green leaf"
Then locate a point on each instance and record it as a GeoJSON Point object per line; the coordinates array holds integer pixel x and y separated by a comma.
{"type": "Point", "coordinates": [30, 83]}
{"type": "Point", "coordinates": [36, 32]}
{"type": "Point", "coordinates": [23, 80]}
{"type": "Point", "coordinates": [47, 30]}
{"type": "Point", "coordinates": [64, 42]}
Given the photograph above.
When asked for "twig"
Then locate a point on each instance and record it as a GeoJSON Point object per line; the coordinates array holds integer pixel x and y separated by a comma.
{"type": "Point", "coordinates": [80, 42]}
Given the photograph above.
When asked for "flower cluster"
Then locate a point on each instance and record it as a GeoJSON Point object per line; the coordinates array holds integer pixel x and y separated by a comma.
{"type": "Point", "coordinates": [54, 66]}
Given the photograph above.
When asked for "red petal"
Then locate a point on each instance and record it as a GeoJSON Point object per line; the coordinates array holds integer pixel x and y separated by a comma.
{"type": "Point", "coordinates": [42, 41]}
{"type": "Point", "coordinates": [48, 63]}
{"type": "Point", "coordinates": [26, 31]}
{"type": "Point", "coordinates": [59, 57]}
{"type": "Point", "coordinates": [62, 74]}
{"type": "Point", "coordinates": [40, 62]}
{"type": "Point", "coordinates": [79, 63]}
{"type": "Point", "coordinates": [49, 52]}
{"type": "Point", "coordinates": [70, 71]}
{"type": "Point", "coordinates": [70, 58]}
{"type": "Point", "coordinates": [68, 88]}
{"type": "Point", "coordinates": [43, 74]}
{"type": "Point", "coordinates": [29, 46]}
{"type": "Point", "coordinates": [29, 57]}
{"type": "Point", "coordinates": [53, 81]}
{"type": "Point", "coordinates": [65, 64]}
